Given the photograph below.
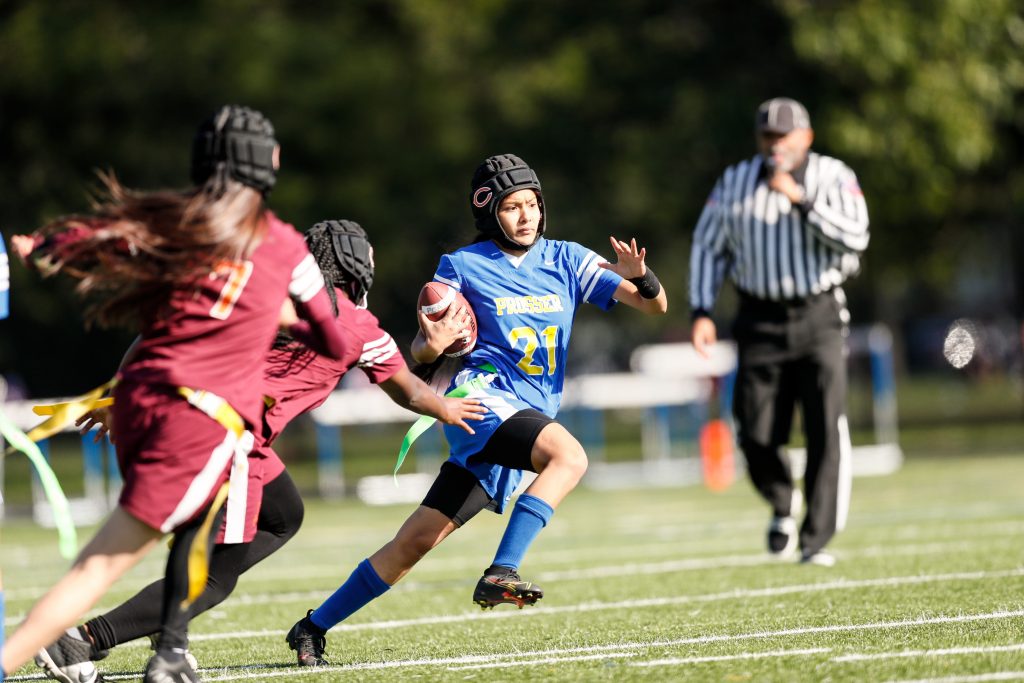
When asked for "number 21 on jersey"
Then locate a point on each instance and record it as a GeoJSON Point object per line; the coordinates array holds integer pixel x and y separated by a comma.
{"type": "Point", "coordinates": [237, 273]}
{"type": "Point", "coordinates": [532, 340]}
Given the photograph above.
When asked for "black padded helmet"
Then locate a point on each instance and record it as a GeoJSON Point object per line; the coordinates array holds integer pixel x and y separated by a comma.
{"type": "Point", "coordinates": [345, 256]}
{"type": "Point", "coordinates": [493, 180]}
{"type": "Point", "coordinates": [240, 141]}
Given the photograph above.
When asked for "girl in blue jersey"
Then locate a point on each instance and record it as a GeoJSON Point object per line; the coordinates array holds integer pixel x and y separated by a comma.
{"type": "Point", "coordinates": [524, 290]}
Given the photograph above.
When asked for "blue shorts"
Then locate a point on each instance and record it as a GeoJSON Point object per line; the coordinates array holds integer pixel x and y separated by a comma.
{"type": "Point", "coordinates": [499, 481]}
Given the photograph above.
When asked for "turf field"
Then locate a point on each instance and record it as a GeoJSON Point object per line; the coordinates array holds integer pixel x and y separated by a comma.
{"type": "Point", "coordinates": [641, 585]}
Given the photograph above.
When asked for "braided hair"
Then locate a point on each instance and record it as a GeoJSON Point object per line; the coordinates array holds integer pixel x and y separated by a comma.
{"type": "Point", "coordinates": [345, 258]}
{"type": "Point", "coordinates": [319, 242]}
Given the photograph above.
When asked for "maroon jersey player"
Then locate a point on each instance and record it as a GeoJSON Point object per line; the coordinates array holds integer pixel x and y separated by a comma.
{"type": "Point", "coordinates": [270, 513]}
{"type": "Point", "coordinates": [186, 267]}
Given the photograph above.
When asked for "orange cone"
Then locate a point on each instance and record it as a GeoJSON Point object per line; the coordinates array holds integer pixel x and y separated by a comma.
{"type": "Point", "coordinates": [716, 455]}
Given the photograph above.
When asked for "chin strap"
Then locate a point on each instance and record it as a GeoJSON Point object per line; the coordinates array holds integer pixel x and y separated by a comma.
{"type": "Point", "coordinates": [504, 240]}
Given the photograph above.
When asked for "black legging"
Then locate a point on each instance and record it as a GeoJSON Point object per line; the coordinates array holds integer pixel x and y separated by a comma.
{"type": "Point", "coordinates": [280, 518]}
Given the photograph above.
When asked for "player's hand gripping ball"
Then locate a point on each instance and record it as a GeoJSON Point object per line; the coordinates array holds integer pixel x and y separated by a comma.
{"type": "Point", "coordinates": [434, 300]}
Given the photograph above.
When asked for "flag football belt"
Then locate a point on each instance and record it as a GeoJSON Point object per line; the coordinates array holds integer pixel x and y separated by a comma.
{"type": "Point", "coordinates": [60, 415]}
{"type": "Point", "coordinates": [226, 416]}
{"type": "Point", "coordinates": [216, 407]}
{"type": "Point", "coordinates": [425, 422]}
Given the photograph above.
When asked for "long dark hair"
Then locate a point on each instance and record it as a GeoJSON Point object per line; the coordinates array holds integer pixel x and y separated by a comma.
{"type": "Point", "coordinates": [135, 247]}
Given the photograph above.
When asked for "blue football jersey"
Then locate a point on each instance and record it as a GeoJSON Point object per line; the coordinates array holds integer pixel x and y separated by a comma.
{"type": "Point", "coordinates": [524, 314]}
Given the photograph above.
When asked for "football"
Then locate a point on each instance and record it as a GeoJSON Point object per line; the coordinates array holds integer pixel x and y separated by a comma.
{"type": "Point", "coordinates": [434, 300]}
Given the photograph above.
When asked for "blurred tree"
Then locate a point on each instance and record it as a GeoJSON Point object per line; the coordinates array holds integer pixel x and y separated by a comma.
{"type": "Point", "coordinates": [925, 100]}
{"type": "Point", "coordinates": [628, 111]}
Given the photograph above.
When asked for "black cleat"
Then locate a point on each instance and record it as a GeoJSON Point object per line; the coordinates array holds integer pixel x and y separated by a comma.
{"type": "Point", "coordinates": [309, 642]}
{"type": "Point", "coordinates": [70, 660]}
{"type": "Point", "coordinates": [782, 537]}
{"type": "Point", "coordinates": [159, 670]}
{"type": "Point", "coordinates": [503, 585]}
{"type": "Point", "coordinates": [154, 642]}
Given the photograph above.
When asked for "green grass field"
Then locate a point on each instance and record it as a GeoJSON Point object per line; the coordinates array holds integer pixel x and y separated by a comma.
{"type": "Point", "coordinates": [641, 585]}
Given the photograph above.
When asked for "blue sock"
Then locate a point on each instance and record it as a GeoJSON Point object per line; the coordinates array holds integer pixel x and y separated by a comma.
{"type": "Point", "coordinates": [529, 516]}
{"type": "Point", "coordinates": [362, 586]}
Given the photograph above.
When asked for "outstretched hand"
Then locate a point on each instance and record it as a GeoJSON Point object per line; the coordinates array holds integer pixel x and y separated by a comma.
{"type": "Point", "coordinates": [23, 245]}
{"type": "Point", "coordinates": [98, 417]}
{"type": "Point", "coordinates": [458, 410]}
{"type": "Point", "coordinates": [629, 259]}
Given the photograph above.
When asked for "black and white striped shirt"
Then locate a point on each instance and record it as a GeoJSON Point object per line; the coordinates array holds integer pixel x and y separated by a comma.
{"type": "Point", "coordinates": [770, 248]}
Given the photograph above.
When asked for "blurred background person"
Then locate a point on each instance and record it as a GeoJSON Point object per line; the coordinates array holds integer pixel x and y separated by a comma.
{"type": "Point", "coordinates": [787, 227]}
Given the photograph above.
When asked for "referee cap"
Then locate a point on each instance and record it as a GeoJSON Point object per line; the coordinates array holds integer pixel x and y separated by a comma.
{"type": "Point", "coordinates": [781, 115]}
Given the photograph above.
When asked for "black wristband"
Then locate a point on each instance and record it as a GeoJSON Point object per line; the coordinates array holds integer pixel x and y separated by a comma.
{"type": "Point", "coordinates": [648, 285]}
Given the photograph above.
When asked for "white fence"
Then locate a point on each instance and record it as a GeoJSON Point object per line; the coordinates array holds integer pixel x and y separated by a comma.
{"type": "Point", "coordinates": [663, 376]}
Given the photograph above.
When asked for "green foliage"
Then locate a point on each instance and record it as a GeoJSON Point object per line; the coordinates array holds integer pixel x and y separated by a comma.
{"type": "Point", "coordinates": [925, 104]}
{"type": "Point", "coordinates": [628, 111]}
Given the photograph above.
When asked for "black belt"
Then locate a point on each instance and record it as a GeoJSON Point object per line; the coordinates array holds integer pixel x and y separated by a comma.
{"type": "Point", "coordinates": [783, 307]}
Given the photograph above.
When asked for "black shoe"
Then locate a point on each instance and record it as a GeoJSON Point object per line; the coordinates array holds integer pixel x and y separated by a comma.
{"type": "Point", "coordinates": [154, 642]}
{"type": "Point", "coordinates": [503, 585]}
{"type": "Point", "coordinates": [159, 670]}
{"type": "Point", "coordinates": [69, 660]}
{"type": "Point", "coordinates": [782, 537]}
{"type": "Point", "coordinates": [309, 642]}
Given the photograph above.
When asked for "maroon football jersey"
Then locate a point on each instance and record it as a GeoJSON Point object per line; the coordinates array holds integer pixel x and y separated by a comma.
{"type": "Point", "coordinates": [299, 383]}
{"type": "Point", "coordinates": [220, 328]}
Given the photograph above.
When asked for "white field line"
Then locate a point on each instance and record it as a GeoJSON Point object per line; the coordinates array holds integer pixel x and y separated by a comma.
{"type": "Point", "coordinates": [962, 512]}
{"type": "Point", "coordinates": [656, 538]}
{"type": "Point", "coordinates": [608, 571]}
{"type": "Point", "coordinates": [622, 649]}
{"type": "Point", "coordinates": [839, 584]}
{"type": "Point", "coordinates": [666, 545]}
{"type": "Point", "coordinates": [853, 657]}
{"type": "Point", "coordinates": [739, 594]}
{"type": "Point", "coordinates": [18, 556]}
{"type": "Point", "coordinates": [724, 561]}
{"type": "Point", "coordinates": [689, 564]}
{"type": "Point", "coordinates": [971, 678]}
{"type": "Point", "coordinates": [545, 660]}
{"type": "Point", "coordinates": [672, 661]}
{"type": "Point", "coordinates": [685, 660]}
{"type": "Point", "coordinates": [274, 569]}
{"type": "Point", "coordinates": [1016, 647]}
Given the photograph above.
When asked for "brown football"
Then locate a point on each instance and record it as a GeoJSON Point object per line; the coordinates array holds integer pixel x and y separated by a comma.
{"type": "Point", "coordinates": [433, 302]}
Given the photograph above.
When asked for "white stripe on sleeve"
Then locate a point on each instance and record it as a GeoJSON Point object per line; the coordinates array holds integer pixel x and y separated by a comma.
{"type": "Point", "coordinates": [307, 279]}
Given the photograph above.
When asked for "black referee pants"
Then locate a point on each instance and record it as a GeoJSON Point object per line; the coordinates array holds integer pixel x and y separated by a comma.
{"type": "Point", "coordinates": [793, 353]}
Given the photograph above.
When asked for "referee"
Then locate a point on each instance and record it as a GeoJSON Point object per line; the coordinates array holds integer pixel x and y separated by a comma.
{"type": "Point", "coordinates": [787, 226]}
